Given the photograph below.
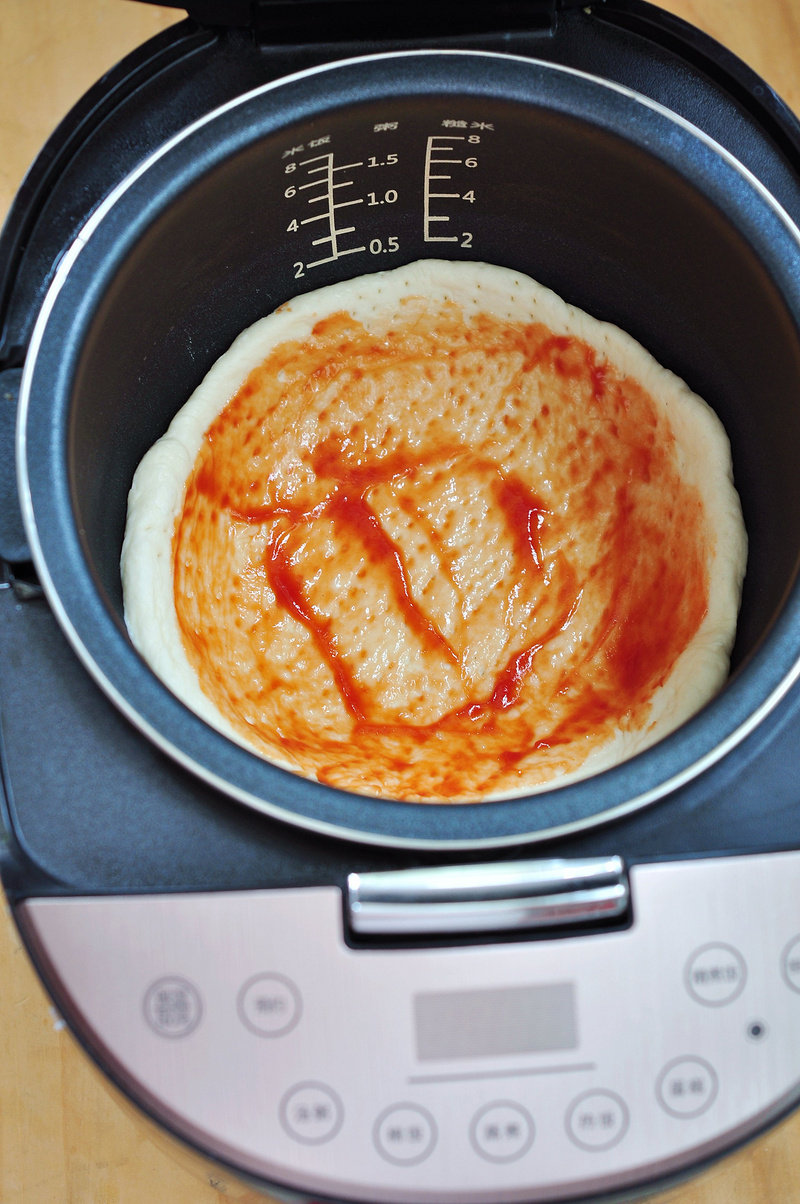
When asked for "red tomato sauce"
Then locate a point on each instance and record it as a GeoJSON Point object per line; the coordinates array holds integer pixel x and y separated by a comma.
{"type": "Point", "coordinates": [331, 612]}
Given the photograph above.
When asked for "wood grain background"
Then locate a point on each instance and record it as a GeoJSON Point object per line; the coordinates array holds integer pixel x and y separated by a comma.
{"type": "Point", "coordinates": [66, 1137]}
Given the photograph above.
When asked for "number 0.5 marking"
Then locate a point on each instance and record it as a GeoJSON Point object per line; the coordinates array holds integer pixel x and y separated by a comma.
{"type": "Point", "coordinates": [377, 246]}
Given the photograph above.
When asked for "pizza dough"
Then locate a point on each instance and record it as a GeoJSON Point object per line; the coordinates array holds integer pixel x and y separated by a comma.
{"type": "Point", "coordinates": [433, 534]}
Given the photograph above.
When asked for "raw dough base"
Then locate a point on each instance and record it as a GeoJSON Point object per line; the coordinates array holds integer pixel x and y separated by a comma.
{"type": "Point", "coordinates": [355, 372]}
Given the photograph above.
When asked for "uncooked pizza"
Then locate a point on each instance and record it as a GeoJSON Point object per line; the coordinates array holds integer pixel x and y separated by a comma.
{"type": "Point", "coordinates": [435, 535]}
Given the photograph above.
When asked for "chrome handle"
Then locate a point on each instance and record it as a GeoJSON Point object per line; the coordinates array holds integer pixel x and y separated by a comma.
{"type": "Point", "coordinates": [494, 897]}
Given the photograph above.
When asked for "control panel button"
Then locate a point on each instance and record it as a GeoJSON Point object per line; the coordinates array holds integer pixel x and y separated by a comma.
{"type": "Point", "coordinates": [405, 1134]}
{"type": "Point", "coordinates": [172, 1007]}
{"type": "Point", "coordinates": [311, 1113]}
{"type": "Point", "coordinates": [790, 964]}
{"type": "Point", "coordinates": [756, 1030]}
{"type": "Point", "coordinates": [715, 975]}
{"type": "Point", "coordinates": [502, 1131]}
{"type": "Point", "coordinates": [269, 1005]}
{"type": "Point", "coordinates": [597, 1120]}
{"type": "Point", "coordinates": [687, 1087]}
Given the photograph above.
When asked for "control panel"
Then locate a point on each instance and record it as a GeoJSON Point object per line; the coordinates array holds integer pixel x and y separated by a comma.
{"type": "Point", "coordinates": [527, 1070]}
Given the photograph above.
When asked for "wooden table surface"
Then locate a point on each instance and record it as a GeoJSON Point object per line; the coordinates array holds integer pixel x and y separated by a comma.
{"type": "Point", "coordinates": [65, 1136]}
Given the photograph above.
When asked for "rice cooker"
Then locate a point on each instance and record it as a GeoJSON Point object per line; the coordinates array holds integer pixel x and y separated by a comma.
{"type": "Point", "coordinates": [576, 994]}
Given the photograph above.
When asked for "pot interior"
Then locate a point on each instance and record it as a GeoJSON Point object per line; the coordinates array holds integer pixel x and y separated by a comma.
{"type": "Point", "coordinates": [619, 208]}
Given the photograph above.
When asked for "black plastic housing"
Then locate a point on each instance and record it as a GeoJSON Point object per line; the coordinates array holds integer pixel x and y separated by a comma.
{"type": "Point", "coordinates": [635, 220]}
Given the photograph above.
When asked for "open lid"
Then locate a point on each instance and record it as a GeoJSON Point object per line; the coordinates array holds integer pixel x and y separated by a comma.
{"type": "Point", "coordinates": [226, 47]}
{"type": "Point", "coordinates": [275, 22]}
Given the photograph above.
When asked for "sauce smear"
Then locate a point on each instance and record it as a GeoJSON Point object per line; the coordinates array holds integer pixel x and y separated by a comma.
{"type": "Point", "coordinates": [445, 562]}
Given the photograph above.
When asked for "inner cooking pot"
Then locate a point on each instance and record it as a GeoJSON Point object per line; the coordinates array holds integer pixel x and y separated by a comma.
{"type": "Point", "coordinates": [615, 203]}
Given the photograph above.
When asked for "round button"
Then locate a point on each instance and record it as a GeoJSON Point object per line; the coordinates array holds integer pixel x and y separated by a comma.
{"type": "Point", "coordinates": [404, 1134]}
{"type": "Point", "coordinates": [715, 975]}
{"type": "Point", "coordinates": [756, 1030]}
{"type": "Point", "coordinates": [311, 1113]}
{"type": "Point", "coordinates": [687, 1087]}
{"type": "Point", "coordinates": [172, 1007]}
{"type": "Point", "coordinates": [597, 1120]}
{"type": "Point", "coordinates": [502, 1131]}
{"type": "Point", "coordinates": [790, 964]}
{"type": "Point", "coordinates": [269, 1005]}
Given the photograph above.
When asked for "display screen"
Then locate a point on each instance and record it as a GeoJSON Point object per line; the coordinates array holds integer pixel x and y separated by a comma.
{"type": "Point", "coordinates": [489, 1023]}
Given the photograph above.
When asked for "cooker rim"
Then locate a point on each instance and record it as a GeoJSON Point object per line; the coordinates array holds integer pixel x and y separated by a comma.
{"type": "Point", "coordinates": [660, 790]}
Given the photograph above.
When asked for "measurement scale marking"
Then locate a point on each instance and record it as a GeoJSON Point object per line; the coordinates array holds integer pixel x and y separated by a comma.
{"type": "Point", "coordinates": [435, 153]}
{"type": "Point", "coordinates": [328, 188]}
{"type": "Point", "coordinates": [336, 255]}
{"type": "Point", "coordinates": [316, 183]}
{"type": "Point", "coordinates": [320, 217]}
{"type": "Point", "coordinates": [323, 166]}
{"type": "Point", "coordinates": [336, 205]}
{"type": "Point", "coordinates": [327, 159]}
{"type": "Point", "coordinates": [316, 242]}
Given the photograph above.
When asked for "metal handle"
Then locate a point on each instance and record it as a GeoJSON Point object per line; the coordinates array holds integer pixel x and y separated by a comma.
{"type": "Point", "coordinates": [494, 897]}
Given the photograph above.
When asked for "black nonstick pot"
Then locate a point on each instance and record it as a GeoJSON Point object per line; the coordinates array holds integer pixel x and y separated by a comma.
{"type": "Point", "coordinates": [622, 206]}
